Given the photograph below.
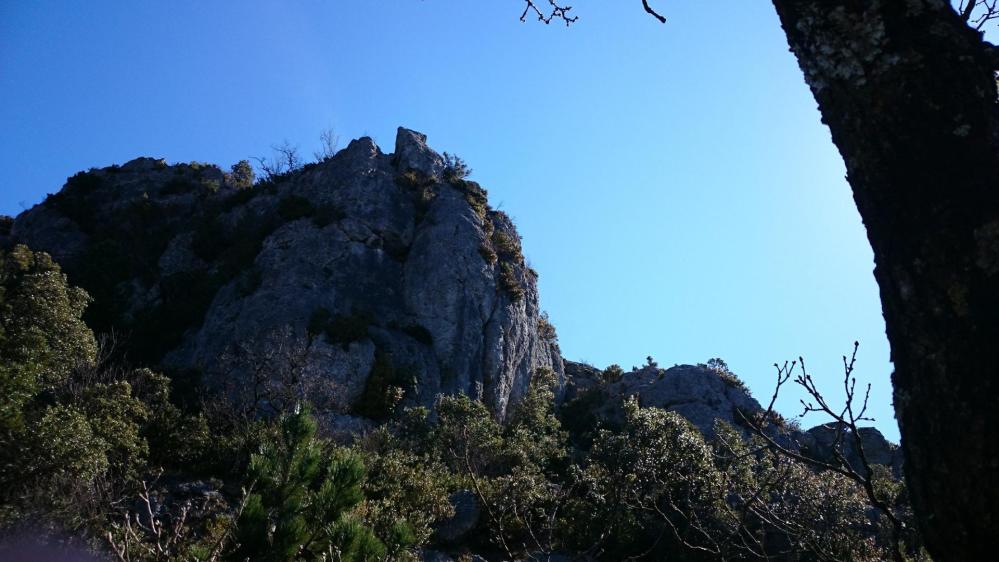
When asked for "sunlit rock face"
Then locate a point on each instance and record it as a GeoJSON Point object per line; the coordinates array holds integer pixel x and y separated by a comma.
{"type": "Point", "coordinates": [706, 396]}
{"type": "Point", "coordinates": [351, 281]}
{"type": "Point", "coordinates": [701, 395]}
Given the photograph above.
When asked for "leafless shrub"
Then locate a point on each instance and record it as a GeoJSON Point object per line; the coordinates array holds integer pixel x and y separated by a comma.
{"type": "Point", "coordinates": [329, 141]}
{"type": "Point", "coordinates": [845, 420]}
{"type": "Point", "coordinates": [978, 12]}
{"type": "Point", "coordinates": [285, 159]}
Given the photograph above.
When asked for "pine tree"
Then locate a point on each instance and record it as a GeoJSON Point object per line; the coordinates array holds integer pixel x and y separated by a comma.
{"type": "Point", "coordinates": [301, 499]}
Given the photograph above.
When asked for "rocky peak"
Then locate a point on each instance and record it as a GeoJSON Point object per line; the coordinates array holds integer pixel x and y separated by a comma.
{"type": "Point", "coordinates": [412, 153]}
{"type": "Point", "coordinates": [351, 282]}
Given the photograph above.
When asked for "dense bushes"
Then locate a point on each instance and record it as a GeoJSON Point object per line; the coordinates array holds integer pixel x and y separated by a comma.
{"type": "Point", "coordinates": [67, 424]}
{"type": "Point", "coordinates": [87, 445]}
{"type": "Point", "coordinates": [42, 335]}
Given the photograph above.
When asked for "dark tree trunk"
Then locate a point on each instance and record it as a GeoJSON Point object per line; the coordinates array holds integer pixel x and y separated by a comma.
{"type": "Point", "coordinates": [908, 92]}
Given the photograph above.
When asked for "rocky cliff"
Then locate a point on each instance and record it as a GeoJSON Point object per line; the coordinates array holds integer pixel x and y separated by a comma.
{"type": "Point", "coordinates": [705, 396]}
{"type": "Point", "coordinates": [356, 282]}
{"type": "Point", "coordinates": [353, 282]}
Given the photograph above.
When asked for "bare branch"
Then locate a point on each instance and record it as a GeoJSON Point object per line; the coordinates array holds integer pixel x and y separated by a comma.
{"type": "Point", "coordinates": [558, 12]}
{"type": "Point", "coordinates": [653, 13]}
{"type": "Point", "coordinates": [844, 423]}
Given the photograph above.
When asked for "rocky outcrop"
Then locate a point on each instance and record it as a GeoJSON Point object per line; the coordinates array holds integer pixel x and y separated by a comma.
{"type": "Point", "coordinates": [351, 282]}
{"type": "Point", "coordinates": [704, 396]}
{"type": "Point", "coordinates": [700, 394]}
{"type": "Point", "coordinates": [467, 514]}
{"type": "Point", "coordinates": [821, 441]}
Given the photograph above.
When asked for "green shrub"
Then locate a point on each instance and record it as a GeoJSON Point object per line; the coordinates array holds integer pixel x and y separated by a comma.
{"type": "Point", "coordinates": [455, 168]}
{"type": "Point", "coordinates": [533, 432]}
{"type": "Point", "coordinates": [241, 175]}
{"type": "Point", "coordinates": [405, 489]}
{"type": "Point", "coordinates": [660, 474]}
{"type": "Point", "coordinates": [384, 389]}
{"type": "Point", "coordinates": [580, 417]}
{"type": "Point", "coordinates": [546, 331]}
{"type": "Point", "coordinates": [507, 247]}
{"type": "Point", "coordinates": [612, 373]}
{"type": "Point", "coordinates": [420, 188]}
{"type": "Point", "coordinates": [302, 498]}
{"type": "Point", "coordinates": [510, 283]}
{"type": "Point", "coordinates": [212, 186]}
{"type": "Point", "coordinates": [293, 207]}
{"type": "Point", "coordinates": [727, 376]}
{"type": "Point", "coordinates": [42, 334]}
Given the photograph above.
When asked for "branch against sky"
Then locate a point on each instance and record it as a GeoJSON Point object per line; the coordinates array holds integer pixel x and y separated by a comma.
{"type": "Point", "coordinates": [557, 11]}
{"type": "Point", "coordinates": [976, 13]}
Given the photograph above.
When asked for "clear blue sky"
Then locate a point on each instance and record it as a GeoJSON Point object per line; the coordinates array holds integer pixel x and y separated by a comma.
{"type": "Point", "coordinates": [673, 184]}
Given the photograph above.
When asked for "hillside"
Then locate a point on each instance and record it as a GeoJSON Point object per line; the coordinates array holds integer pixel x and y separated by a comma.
{"type": "Point", "coordinates": [352, 350]}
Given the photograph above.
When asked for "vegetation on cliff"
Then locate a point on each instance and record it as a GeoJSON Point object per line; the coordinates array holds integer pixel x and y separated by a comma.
{"type": "Point", "coordinates": [113, 459]}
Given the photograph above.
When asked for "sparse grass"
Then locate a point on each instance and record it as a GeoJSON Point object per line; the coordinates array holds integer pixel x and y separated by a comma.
{"type": "Point", "coordinates": [476, 196]}
{"type": "Point", "coordinates": [507, 246]}
{"type": "Point", "coordinates": [487, 253]}
{"type": "Point", "coordinates": [421, 189]}
{"type": "Point", "coordinates": [510, 283]}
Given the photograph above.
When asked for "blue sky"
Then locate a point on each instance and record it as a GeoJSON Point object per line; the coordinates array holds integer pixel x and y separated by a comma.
{"type": "Point", "coordinates": [673, 184]}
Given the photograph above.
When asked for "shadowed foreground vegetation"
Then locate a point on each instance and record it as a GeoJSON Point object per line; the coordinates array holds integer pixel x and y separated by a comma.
{"type": "Point", "coordinates": [113, 459]}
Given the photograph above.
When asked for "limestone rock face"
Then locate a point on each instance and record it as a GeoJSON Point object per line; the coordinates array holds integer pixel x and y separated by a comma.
{"type": "Point", "coordinates": [701, 395]}
{"type": "Point", "coordinates": [347, 282]}
{"type": "Point", "coordinates": [695, 392]}
{"type": "Point", "coordinates": [819, 442]}
{"type": "Point", "coordinates": [704, 396]}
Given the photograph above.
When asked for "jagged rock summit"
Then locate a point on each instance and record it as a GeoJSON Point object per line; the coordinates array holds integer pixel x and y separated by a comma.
{"type": "Point", "coordinates": [350, 282]}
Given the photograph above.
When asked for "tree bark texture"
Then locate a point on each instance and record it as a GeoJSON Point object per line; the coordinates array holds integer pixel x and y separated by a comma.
{"type": "Point", "coordinates": [909, 94]}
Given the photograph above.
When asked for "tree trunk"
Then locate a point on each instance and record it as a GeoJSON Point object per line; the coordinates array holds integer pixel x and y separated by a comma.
{"type": "Point", "coordinates": [909, 94]}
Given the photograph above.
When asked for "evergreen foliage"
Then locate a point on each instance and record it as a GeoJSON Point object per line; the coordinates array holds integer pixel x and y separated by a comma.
{"type": "Point", "coordinates": [301, 498]}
